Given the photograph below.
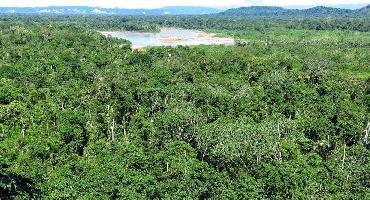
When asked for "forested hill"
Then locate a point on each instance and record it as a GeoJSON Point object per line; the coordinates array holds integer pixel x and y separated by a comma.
{"type": "Point", "coordinates": [84, 10]}
{"type": "Point", "coordinates": [253, 11]}
{"type": "Point", "coordinates": [268, 11]}
{"type": "Point", "coordinates": [365, 10]}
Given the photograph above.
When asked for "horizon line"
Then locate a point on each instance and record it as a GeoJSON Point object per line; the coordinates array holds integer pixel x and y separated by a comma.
{"type": "Point", "coordinates": [348, 6]}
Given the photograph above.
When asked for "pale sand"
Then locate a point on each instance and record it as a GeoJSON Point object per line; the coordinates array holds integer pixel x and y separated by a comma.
{"type": "Point", "coordinates": [170, 37]}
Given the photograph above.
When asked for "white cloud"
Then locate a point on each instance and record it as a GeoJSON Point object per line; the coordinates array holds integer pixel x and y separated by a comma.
{"type": "Point", "coordinates": [97, 11]}
{"type": "Point", "coordinates": [162, 3]}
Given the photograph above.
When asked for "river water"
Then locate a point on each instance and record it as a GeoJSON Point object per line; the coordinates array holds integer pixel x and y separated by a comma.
{"type": "Point", "coordinates": [170, 37]}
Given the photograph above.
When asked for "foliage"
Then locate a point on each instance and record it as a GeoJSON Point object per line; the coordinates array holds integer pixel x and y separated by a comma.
{"type": "Point", "coordinates": [280, 116]}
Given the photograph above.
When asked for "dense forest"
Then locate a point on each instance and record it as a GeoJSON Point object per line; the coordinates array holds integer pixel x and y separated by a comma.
{"type": "Point", "coordinates": [283, 114]}
{"type": "Point", "coordinates": [230, 23]}
{"type": "Point", "coordinates": [273, 12]}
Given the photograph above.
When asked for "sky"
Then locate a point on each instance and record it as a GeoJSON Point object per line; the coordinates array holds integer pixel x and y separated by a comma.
{"type": "Point", "coordinates": [162, 3]}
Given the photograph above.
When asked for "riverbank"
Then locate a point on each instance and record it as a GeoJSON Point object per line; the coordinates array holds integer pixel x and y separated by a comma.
{"type": "Point", "coordinates": [170, 37]}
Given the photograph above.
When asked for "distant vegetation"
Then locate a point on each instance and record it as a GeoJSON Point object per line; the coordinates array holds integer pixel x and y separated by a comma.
{"type": "Point", "coordinates": [93, 22]}
{"type": "Point", "coordinates": [319, 11]}
{"type": "Point", "coordinates": [284, 114]}
{"type": "Point", "coordinates": [153, 23]}
{"type": "Point", "coordinates": [261, 24]}
{"type": "Point", "coordinates": [251, 12]}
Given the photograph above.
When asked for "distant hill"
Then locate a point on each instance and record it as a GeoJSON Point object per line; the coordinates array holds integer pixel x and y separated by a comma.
{"type": "Point", "coordinates": [365, 10]}
{"type": "Point", "coordinates": [268, 11]}
{"type": "Point", "coordinates": [345, 6]}
{"type": "Point", "coordinates": [321, 10]}
{"type": "Point", "coordinates": [252, 12]}
{"type": "Point", "coordinates": [71, 10]}
{"type": "Point", "coordinates": [256, 11]}
{"type": "Point", "coordinates": [188, 10]}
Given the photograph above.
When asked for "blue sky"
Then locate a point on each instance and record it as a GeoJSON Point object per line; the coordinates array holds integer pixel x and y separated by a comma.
{"type": "Point", "coordinates": [162, 3]}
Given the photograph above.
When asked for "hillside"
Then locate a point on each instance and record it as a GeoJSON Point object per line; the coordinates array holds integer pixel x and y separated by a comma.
{"type": "Point", "coordinates": [365, 10]}
{"type": "Point", "coordinates": [268, 11]}
{"type": "Point", "coordinates": [253, 11]}
{"type": "Point", "coordinates": [84, 10]}
{"type": "Point", "coordinates": [256, 11]}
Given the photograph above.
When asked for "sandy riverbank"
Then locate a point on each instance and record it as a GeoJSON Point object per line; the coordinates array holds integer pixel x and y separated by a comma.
{"type": "Point", "coordinates": [170, 37]}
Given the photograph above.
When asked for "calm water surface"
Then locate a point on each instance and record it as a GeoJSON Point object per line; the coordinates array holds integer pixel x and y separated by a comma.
{"type": "Point", "coordinates": [170, 37]}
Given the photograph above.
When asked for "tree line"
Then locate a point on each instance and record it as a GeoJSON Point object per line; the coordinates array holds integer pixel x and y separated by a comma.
{"type": "Point", "coordinates": [218, 22]}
